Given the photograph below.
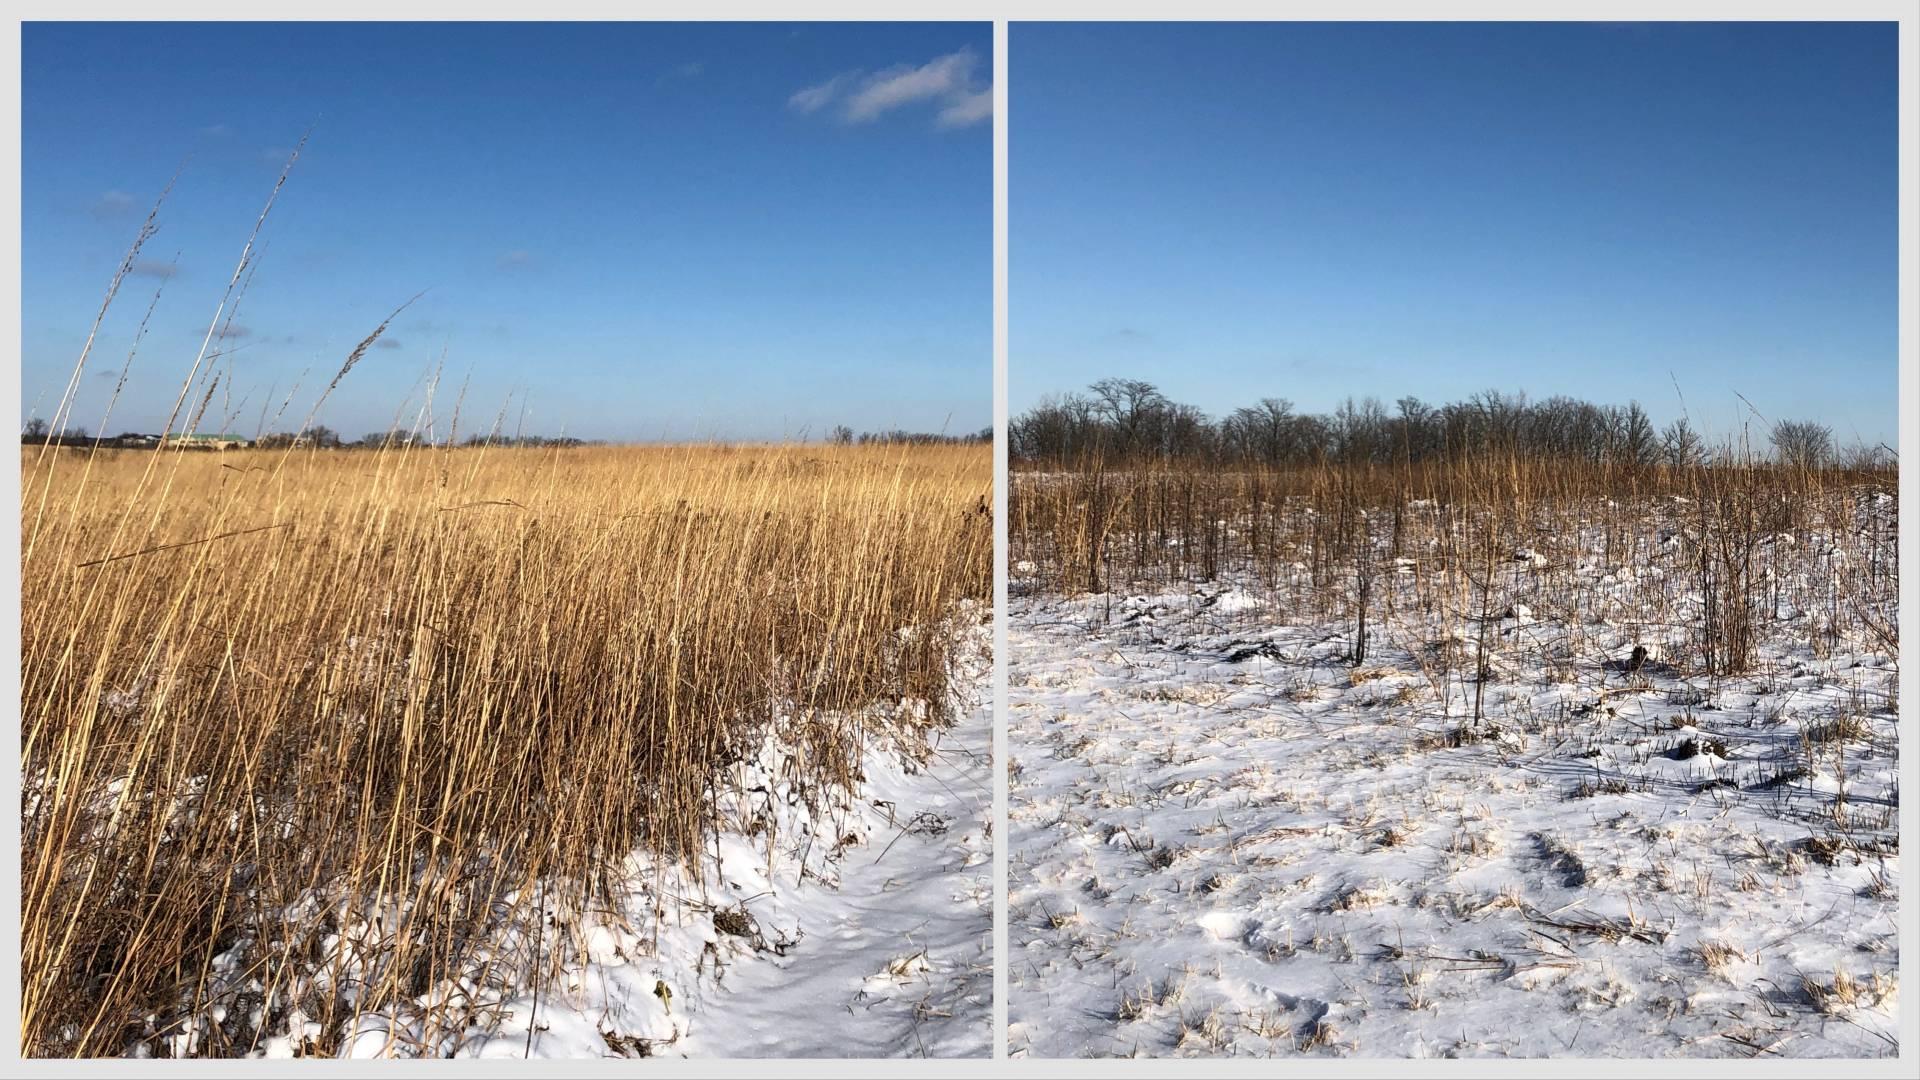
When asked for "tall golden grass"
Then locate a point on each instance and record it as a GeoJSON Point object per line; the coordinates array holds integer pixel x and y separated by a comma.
{"type": "Point", "coordinates": [415, 682]}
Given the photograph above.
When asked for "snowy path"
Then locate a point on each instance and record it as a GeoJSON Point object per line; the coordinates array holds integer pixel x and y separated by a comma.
{"type": "Point", "coordinates": [1222, 850]}
{"type": "Point", "coordinates": [897, 960]}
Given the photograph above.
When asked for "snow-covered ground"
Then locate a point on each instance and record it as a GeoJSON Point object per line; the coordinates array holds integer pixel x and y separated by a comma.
{"type": "Point", "coordinates": [873, 940]}
{"type": "Point", "coordinates": [848, 923]}
{"type": "Point", "coordinates": [1227, 839]}
{"type": "Point", "coordinates": [881, 946]}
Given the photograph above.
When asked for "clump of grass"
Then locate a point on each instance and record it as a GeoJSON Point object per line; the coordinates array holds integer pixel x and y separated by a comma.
{"type": "Point", "coordinates": [1846, 727]}
{"type": "Point", "coordinates": [1452, 738]}
{"type": "Point", "coordinates": [1141, 1003]}
{"type": "Point", "coordinates": [1845, 992]}
{"type": "Point", "coordinates": [1318, 1035]}
{"type": "Point", "coordinates": [1205, 1032]}
{"type": "Point", "coordinates": [1358, 898]}
{"type": "Point", "coordinates": [1600, 785]}
{"type": "Point", "coordinates": [1718, 956]}
{"type": "Point", "coordinates": [1692, 747]}
{"type": "Point", "coordinates": [1473, 844]}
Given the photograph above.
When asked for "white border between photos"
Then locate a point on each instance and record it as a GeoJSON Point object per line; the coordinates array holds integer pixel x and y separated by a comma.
{"type": "Point", "coordinates": [935, 10]}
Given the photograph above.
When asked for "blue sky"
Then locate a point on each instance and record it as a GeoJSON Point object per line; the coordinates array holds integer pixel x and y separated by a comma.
{"type": "Point", "coordinates": [641, 231]}
{"type": "Point", "coordinates": [1314, 211]}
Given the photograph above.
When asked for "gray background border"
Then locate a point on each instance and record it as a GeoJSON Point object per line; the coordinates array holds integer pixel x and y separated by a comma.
{"type": "Point", "coordinates": [1628, 10]}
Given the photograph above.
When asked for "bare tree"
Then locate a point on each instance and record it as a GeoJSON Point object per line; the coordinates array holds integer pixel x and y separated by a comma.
{"type": "Point", "coordinates": [1681, 445]}
{"type": "Point", "coordinates": [1127, 404]}
{"type": "Point", "coordinates": [1802, 444]}
{"type": "Point", "coordinates": [1638, 446]}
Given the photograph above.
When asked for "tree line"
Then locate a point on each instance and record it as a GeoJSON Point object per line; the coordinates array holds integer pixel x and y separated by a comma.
{"type": "Point", "coordinates": [35, 431]}
{"type": "Point", "coordinates": [323, 437]}
{"type": "Point", "coordinates": [1130, 420]}
{"type": "Point", "coordinates": [845, 436]}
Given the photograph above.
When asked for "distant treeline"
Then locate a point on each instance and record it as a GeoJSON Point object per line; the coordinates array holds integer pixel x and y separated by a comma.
{"type": "Point", "coordinates": [1128, 420]}
{"type": "Point", "coordinates": [844, 436]}
{"type": "Point", "coordinates": [35, 433]}
{"type": "Point", "coordinates": [328, 439]}
{"type": "Point", "coordinates": [319, 437]}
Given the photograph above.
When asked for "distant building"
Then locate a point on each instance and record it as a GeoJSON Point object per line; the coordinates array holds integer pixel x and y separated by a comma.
{"type": "Point", "coordinates": [214, 442]}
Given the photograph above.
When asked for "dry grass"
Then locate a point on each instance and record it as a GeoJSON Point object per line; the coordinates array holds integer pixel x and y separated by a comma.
{"type": "Point", "coordinates": [1454, 542]}
{"type": "Point", "coordinates": [1719, 956]}
{"type": "Point", "coordinates": [274, 702]}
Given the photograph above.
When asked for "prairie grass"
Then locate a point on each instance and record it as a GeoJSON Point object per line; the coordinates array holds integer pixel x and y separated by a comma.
{"type": "Point", "coordinates": [1458, 540]}
{"type": "Point", "coordinates": [272, 700]}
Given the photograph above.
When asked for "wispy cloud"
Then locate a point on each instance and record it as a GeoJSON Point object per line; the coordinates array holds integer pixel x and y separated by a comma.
{"type": "Point", "coordinates": [947, 82]}
{"type": "Point", "coordinates": [904, 84]}
{"type": "Point", "coordinates": [113, 204]}
{"type": "Point", "coordinates": [216, 131]}
{"type": "Point", "coordinates": [692, 69]}
{"type": "Point", "coordinates": [516, 258]}
{"type": "Point", "coordinates": [966, 109]}
{"type": "Point", "coordinates": [815, 98]}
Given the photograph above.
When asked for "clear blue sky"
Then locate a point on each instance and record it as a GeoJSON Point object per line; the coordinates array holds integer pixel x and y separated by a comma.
{"type": "Point", "coordinates": [1316, 211]}
{"type": "Point", "coordinates": [659, 231]}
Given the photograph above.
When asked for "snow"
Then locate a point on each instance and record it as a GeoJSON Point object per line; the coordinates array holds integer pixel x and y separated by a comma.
{"type": "Point", "coordinates": [885, 950]}
{"type": "Point", "coordinates": [866, 931]}
{"type": "Point", "coordinates": [1224, 838]}
{"type": "Point", "coordinates": [898, 959]}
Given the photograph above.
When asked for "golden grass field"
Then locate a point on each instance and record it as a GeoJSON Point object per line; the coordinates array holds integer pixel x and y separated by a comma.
{"type": "Point", "coordinates": [433, 676]}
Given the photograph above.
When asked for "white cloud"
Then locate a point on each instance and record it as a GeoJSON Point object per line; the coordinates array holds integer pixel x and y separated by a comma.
{"type": "Point", "coordinates": [946, 81]}
{"type": "Point", "coordinates": [966, 109]}
{"type": "Point", "coordinates": [815, 98]}
{"type": "Point", "coordinates": [903, 85]}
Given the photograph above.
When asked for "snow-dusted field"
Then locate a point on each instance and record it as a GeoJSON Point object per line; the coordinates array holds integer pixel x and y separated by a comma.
{"type": "Point", "coordinates": [1225, 838]}
{"type": "Point", "coordinates": [872, 935]}
{"type": "Point", "coordinates": [864, 929]}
